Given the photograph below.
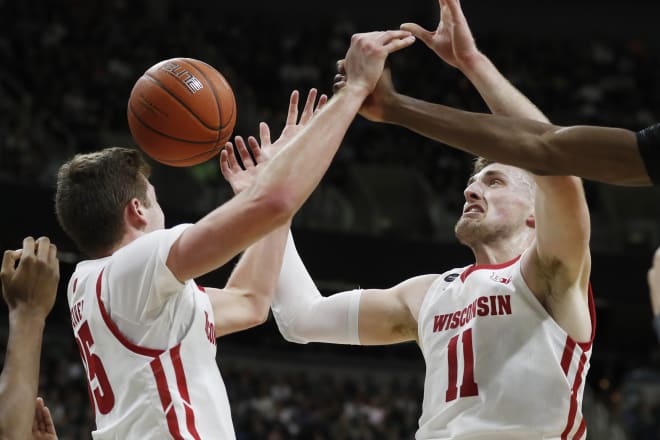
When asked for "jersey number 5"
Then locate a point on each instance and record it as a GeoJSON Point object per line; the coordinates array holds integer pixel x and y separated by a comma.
{"type": "Point", "coordinates": [468, 386]}
{"type": "Point", "coordinates": [101, 392]}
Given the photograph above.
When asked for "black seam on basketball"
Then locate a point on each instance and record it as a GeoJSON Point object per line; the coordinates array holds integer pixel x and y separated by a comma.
{"type": "Point", "coordinates": [165, 135]}
{"type": "Point", "coordinates": [233, 107]}
{"type": "Point", "coordinates": [166, 90]}
{"type": "Point", "coordinates": [191, 62]}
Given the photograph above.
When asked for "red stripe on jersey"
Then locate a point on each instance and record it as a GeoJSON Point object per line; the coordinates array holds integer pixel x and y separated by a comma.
{"type": "Point", "coordinates": [175, 354]}
{"type": "Point", "coordinates": [472, 268]}
{"type": "Point", "coordinates": [572, 411]}
{"type": "Point", "coordinates": [569, 348]}
{"type": "Point", "coordinates": [115, 331]}
{"type": "Point", "coordinates": [165, 398]}
{"type": "Point", "coordinates": [581, 430]}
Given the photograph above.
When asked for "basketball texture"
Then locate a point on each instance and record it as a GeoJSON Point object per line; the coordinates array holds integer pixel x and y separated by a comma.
{"type": "Point", "coordinates": [181, 112]}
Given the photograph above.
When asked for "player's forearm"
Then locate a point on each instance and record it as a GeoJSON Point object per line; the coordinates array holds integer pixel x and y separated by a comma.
{"type": "Point", "coordinates": [602, 154]}
{"type": "Point", "coordinates": [506, 140]}
{"type": "Point", "coordinates": [20, 376]}
{"type": "Point", "coordinates": [259, 268]}
{"type": "Point", "coordinates": [304, 315]}
{"type": "Point", "coordinates": [499, 94]}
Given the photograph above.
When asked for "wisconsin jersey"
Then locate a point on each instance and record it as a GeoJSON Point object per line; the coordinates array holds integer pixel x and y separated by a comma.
{"type": "Point", "coordinates": [497, 365]}
{"type": "Point", "coordinates": [139, 392]}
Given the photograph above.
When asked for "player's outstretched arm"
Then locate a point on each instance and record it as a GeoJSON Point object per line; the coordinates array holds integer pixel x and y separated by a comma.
{"type": "Point", "coordinates": [603, 154]}
{"type": "Point", "coordinates": [245, 300]}
{"type": "Point", "coordinates": [29, 290]}
{"type": "Point", "coordinates": [654, 287]}
{"type": "Point", "coordinates": [453, 42]}
{"type": "Point", "coordinates": [291, 175]}
{"type": "Point", "coordinates": [357, 317]}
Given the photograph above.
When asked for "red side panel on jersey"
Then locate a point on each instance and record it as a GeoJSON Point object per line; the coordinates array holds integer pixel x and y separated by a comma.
{"type": "Point", "coordinates": [182, 385]}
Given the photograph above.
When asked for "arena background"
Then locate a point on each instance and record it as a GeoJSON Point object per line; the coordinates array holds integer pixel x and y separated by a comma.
{"type": "Point", "coordinates": [383, 213]}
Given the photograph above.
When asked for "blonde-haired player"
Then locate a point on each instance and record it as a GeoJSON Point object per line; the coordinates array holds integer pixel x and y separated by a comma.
{"type": "Point", "coordinates": [506, 340]}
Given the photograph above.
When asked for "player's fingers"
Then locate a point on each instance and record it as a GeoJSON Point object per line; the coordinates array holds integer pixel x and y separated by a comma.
{"type": "Point", "coordinates": [337, 86]}
{"type": "Point", "coordinates": [256, 150]}
{"type": "Point", "coordinates": [264, 134]}
{"type": "Point", "coordinates": [9, 262]}
{"type": "Point", "coordinates": [53, 261]}
{"type": "Point", "coordinates": [419, 32]}
{"type": "Point", "coordinates": [341, 67]}
{"type": "Point", "coordinates": [231, 155]}
{"type": "Point", "coordinates": [43, 248]}
{"type": "Point", "coordinates": [388, 36]}
{"type": "Point", "coordinates": [49, 426]}
{"type": "Point", "coordinates": [308, 110]}
{"type": "Point", "coordinates": [243, 152]}
{"type": "Point", "coordinates": [39, 422]}
{"type": "Point", "coordinates": [225, 168]}
{"type": "Point", "coordinates": [399, 43]}
{"type": "Point", "coordinates": [292, 115]}
{"type": "Point", "coordinates": [323, 100]}
{"type": "Point", "coordinates": [28, 248]}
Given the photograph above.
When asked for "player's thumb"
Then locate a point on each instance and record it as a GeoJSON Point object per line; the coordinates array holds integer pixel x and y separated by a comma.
{"type": "Point", "coordinates": [418, 31]}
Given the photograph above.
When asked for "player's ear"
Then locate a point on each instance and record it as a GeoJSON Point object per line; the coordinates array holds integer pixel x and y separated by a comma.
{"type": "Point", "coordinates": [134, 214]}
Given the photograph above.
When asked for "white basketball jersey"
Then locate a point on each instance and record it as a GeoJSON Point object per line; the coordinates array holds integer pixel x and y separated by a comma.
{"type": "Point", "coordinates": [145, 393]}
{"type": "Point", "coordinates": [497, 365]}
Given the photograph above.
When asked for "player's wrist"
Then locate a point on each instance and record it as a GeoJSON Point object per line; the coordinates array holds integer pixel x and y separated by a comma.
{"type": "Point", "coordinates": [356, 89]}
{"type": "Point", "coordinates": [25, 317]}
{"type": "Point", "coordinates": [473, 61]}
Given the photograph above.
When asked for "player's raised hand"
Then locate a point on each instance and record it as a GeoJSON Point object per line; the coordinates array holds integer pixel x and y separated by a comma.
{"type": "Point", "coordinates": [365, 59]}
{"type": "Point", "coordinates": [654, 283]}
{"type": "Point", "coordinates": [293, 124]}
{"type": "Point", "coordinates": [242, 177]}
{"type": "Point", "coordinates": [31, 285]}
{"type": "Point", "coordinates": [452, 41]}
{"type": "Point", "coordinates": [43, 427]}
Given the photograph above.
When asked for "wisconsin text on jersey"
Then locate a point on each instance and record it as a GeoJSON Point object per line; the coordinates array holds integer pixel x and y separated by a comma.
{"type": "Point", "coordinates": [483, 306]}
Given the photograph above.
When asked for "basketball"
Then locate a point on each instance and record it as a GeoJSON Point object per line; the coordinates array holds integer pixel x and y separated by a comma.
{"type": "Point", "coordinates": [181, 112]}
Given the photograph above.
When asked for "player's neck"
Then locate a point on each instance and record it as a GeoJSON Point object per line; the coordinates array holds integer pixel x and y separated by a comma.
{"type": "Point", "coordinates": [497, 253]}
{"type": "Point", "coordinates": [128, 237]}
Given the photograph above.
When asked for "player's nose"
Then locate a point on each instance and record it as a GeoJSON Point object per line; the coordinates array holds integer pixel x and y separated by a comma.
{"type": "Point", "coordinates": [472, 191]}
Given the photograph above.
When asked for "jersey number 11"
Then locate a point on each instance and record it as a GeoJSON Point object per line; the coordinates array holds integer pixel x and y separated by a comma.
{"type": "Point", "coordinates": [468, 386]}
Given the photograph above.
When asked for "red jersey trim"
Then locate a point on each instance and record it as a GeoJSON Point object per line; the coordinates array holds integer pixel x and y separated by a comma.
{"type": "Point", "coordinates": [115, 331]}
{"type": "Point", "coordinates": [166, 398]}
{"type": "Point", "coordinates": [182, 385]}
{"type": "Point", "coordinates": [466, 273]}
{"type": "Point", "coordinates": [573, 408]}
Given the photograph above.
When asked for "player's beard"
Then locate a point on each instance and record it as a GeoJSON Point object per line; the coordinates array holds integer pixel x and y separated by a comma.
{"type": "Point", "coordinates": [471, 231]}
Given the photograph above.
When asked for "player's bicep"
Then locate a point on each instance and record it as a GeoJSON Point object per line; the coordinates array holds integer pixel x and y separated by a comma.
{"type": "Point", "coordinates": [390, 316]}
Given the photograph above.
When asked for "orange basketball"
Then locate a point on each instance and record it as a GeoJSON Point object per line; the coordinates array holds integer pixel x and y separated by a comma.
{"type": "Point", "coordinates": [181, 112]}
